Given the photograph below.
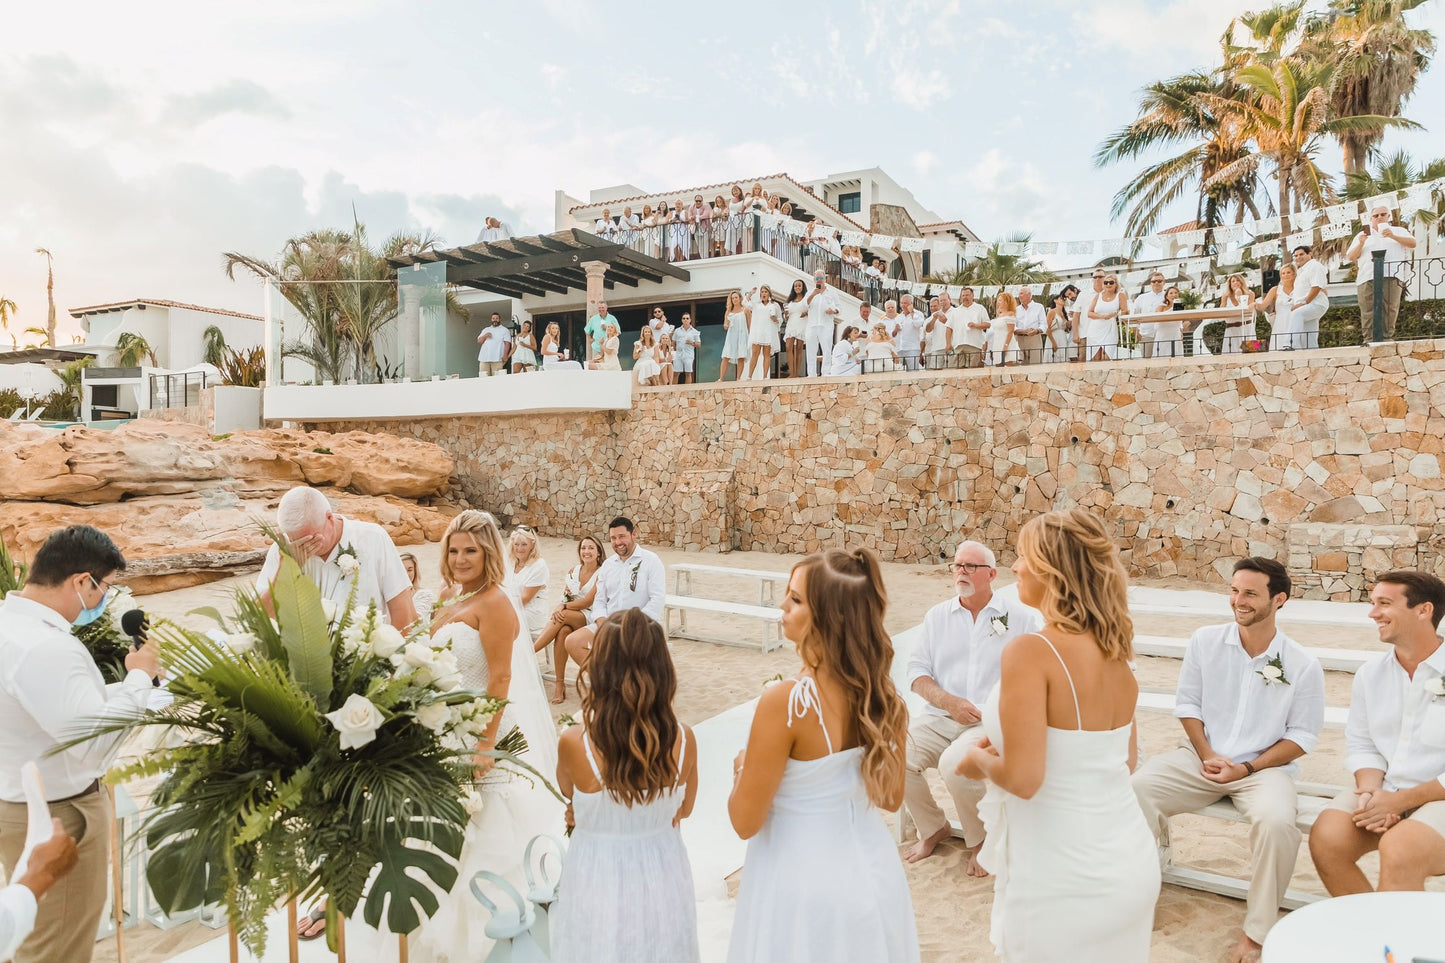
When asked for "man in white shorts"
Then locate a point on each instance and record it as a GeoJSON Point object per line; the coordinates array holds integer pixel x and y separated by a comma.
{"type": "Point", "coordinates": [1395, 744]}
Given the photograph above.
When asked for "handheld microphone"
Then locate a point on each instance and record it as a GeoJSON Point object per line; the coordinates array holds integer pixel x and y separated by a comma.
{"type": "Point", "coordinates": [134, 624]}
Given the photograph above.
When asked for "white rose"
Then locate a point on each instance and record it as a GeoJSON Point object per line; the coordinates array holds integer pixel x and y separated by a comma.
{"type": "Point", "coordinates": [446, 674]}
{"type": "Point", "coordinates": [386, 640]}
{"type": "Point", "coordinates": [1436, 687]}
{"type": "Point", "coordinates": [419, 660]}
{"type": "Point", "coordinates": [472, 802]}
{"type": "Point", "coordinates": [329, 609]}
{"type": "Point", "coordinates": [348, 564]}
{"type": "Point", "coordinates": [241, 642]}
{"type": "Point", "coordinates": [435, 717]}
{"type": "Point", "coordinates": [1272, 672]}
{"type": "Point", "coordinates": [357, 721]}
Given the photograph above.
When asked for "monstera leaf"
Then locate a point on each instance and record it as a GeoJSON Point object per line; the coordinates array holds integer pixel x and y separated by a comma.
{"type": "Point", "coordinates": [304, 630]}
{"type": "Point", "coordinates": [184, 871]}
{"type": "Point", "coordinates": [406, 892]}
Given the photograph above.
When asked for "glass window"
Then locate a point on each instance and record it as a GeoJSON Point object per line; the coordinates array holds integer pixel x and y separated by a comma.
{"type": "Point", "coordinates": [850, 203]}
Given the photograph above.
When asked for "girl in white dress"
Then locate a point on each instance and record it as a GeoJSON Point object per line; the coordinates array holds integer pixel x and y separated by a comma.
{"type": "Point", "coordinates": [764, 315]}
{"type": "Point", "coordinates": [527, 577]}
{"type": "Point", "coordinates": [650, 231]}
{"type": "Point", "coordinates": [644, 358]}
{"type": "Point", "coordinates": [1076, 868]}
{"type": "Point", "coordinates": [630, 768]}
{"type": "Point", "coordinates": [735, 345]}
{"type": "Point", "coordinates": [486, 630]}
{"type": "Point", "coordinates": [880, 354]}
{"type": "Point", "coordinates": [680, 234]}
{"type": "Point", "coordinates": [1001, 331]}
{"type": "Point", "coordinates": [1102, 320]}
{"type": "Point", "coordinates": [422, 599]}
{"type": "Point", "coordinates": [719, 226]}
{"type": "Point", "coordinates": [664, 359]}
{"type": "Point", "coordinates": [524, 355]}
{"type": "Point", "coordinates": [736, 205]}
{"type": "Point", "coordinates": [551, 345]}
{"type": "Point", "coordinates": [795, 331]}
{"type": "Point", "coordinates": [1057, 332]}
{"type": "Point", "coordinates": [823, 881]}
{"type": "Point", "coordinates": [1238, 294]}
{"type": "Point", "coordinates": [579, 589]}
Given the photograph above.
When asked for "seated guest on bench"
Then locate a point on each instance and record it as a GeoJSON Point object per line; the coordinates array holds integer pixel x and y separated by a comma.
{"type": "Point", "coordinates": [1395, 743]}
{"type": "Point", "coordinates": [955, 667]}
{"type": "Point", "coordinates": [632, 578]}
{"type": "Point", "coordinates": [1252, 701]}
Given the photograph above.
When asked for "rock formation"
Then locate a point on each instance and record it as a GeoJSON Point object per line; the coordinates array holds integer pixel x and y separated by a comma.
{"type": "Point", "coordinates": [184, 506]}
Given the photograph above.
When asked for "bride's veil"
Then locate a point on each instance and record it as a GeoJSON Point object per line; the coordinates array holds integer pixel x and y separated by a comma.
{"type": "Point", "coordinates": [528, 703]}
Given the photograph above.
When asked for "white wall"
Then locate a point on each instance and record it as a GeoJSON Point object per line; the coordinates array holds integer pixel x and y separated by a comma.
{"type": "Point", "coordinates": [186, 329]}
{"type": "Point", "coordinates": [237, 409]}
{"type": "Point", "coordinates": [541, 391]}
{"type": "Point", "coordinates": [30, 377]}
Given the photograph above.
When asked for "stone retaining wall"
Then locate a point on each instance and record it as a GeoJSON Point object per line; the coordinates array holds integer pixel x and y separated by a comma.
{"type": "Point", "coordinates": [1329, 460]}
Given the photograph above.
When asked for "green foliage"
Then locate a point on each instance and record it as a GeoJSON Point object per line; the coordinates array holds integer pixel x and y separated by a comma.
{"type": "Point", "coordinates": [131, 349]}
{"type": "Point", "coordinates": [322, 451]}
{"type": "Point", "coordinates": [258, 802]}
{"type": "Point", "coordinates": [107, 645]}
{"type": "Point", "coordinates": [213, 340]}
{"type": "Point", "coordinates": [997, 268]}
{"type": "Point", "coordinates": [244, 369]}
{"type": "Point", "coordinates": [12, 571]}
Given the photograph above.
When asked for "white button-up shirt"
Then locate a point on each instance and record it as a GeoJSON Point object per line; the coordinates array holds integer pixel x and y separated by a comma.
{"type": "Point", "coordinates": [380, 576]}
{"type": "Point", "coordinates": [1312, 275]}
{"type": "Point", "coordinates": [1396, 254]}
{"type": "Point", "coordinates": [962, 654]}
{"type": "Point", "coordinates": [818, 307]}
{"type": "Point", "coordinates": [962, 317]}
{"type": "Point", "coordinates": [51, 692]}
{"type": "Point", "coordinates": [494, 348]}
{"type": "Point", "coordinates": [1031, 320]}
{"type": "Point", "coordinates": [1243, 715]}
{"type": "Point", "coordinates": [936, 339]}
{"type": "Point", "coordinates": [909, 331]}
{"type": "Point", "coordinates": [1396, 723]}
{"type": "Point", "coordinates": [17, 918]}
{"type": "Point", "coordinates": [637, 581]}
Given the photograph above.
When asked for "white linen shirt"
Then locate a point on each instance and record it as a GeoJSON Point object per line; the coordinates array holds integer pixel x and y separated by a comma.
{"type": "Point", "coordinates": [975, 313]}
{"type": "Point", "coordinates": [1147, 303]}
{"type": "Point", "coordinates": [937, 339]}
{"type": "Point", "coordinates": [637, 581]}
{"type": "Point", "coordinates": [1396, 724]}
{"type": "Point", "coordinates": [818, 308]}
{"type": "Point", "coordinates": [1396, 254]}
{"type": "Point", "coordinates": [381, 575]}
{"type": "Point", "coordinates": [1032, 319]}
{"type": "Point", "coordinates": [17, 918]}
{"type": "Point", "coordinates": [1312, 275]}
{"type": "Point", "coordinates": [1243, 715]}
{"type": "Point", "coordinates": [494, 348]}
{"type": "Point", "coordinates": [963, 655]}
{"type": "Point", "coordinates": [910, 331]}
{"type": "Point", "coordinates": [51, 692]}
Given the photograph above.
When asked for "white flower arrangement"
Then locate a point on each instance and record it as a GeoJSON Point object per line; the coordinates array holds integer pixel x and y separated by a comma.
{"type": "Point", "coordinates": [1436, 687]}
{"type": "Point", "coordinates": [356, 721]}
{"type": "Point", "coordinates": [347, 561]}
{"type": "Point", "coordinates": [999, 623]}
{"type": "Point", "coordinates": [1272, 672]}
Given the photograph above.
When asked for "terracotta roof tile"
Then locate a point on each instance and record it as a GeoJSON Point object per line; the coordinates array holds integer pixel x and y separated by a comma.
{"type": "Point", "coordinates": [158, 303]}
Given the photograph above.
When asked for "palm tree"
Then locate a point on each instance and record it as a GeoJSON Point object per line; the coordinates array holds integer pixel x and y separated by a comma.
{"type": "Point", "coordinates": [1286, 113]}
{"type": "Point", "coordinates": [39, 332]}
{"type": "Point", "coordinates": [72, 379]}
{"type": "Point", "coordinates": [1378, 58]}
{"type": "Point", "coordinates": [1174, 112]}
{"type": "Point", "coordinates": [131, 349]}
{"type": "Point", "coordinates": [1395, 173]}
{"type": "Point", "coordinates": [7, 309]}
{"type": "Point", "coordinates": [214, 341]}
{"type": "Point", "coordinates": [49, 295]}
{"type": "Point", "coordinates": [997, 268]}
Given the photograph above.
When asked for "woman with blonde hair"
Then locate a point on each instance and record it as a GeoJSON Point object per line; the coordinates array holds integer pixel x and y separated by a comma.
{"type": "Point", "coordinates": [1100, 320]}
{"type": "Point", "coordinates": [644, 358]}
{"type": "Point", "coordinates": [735, 344]}
{"type": "Point", "coordinates": [1238, 294]}
{"type": "Point", "coordinates": [527, 577]}
{"type": "Point", "coordinates": [1076, 867]}
{"type": "Point", "coordinates": [630, 769]}
{"type": "Point", "coordinates": [823, 880]}
{"type": "Point", "coordinates": [1001, 331]}
{"type": "Point", "coordinates": [764, 317]}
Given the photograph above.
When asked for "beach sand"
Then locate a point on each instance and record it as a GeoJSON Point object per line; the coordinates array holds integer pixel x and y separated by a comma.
{"type": "Point", "coordinates": [952, 910]}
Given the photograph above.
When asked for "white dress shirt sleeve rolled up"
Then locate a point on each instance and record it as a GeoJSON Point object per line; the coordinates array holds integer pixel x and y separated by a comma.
{"type": "Point", "coordinates": [1396, 723]}
{"type": "Point", "coordinates": [1243, 714]}
{"type": "Point", "coordinates": [962, 654]}
{"type": "Point", "coordinates": [17, 918]}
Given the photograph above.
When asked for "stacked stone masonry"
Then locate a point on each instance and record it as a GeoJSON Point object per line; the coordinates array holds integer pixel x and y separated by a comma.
{"type": "Point", "coordinates": [1329, 461]}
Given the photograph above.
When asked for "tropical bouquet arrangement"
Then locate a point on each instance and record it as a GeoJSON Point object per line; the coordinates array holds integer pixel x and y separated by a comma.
{"type": "Point", "coordinates": [321, 751]}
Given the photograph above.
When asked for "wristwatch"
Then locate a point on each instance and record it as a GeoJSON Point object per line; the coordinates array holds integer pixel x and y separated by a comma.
{"type": "Point", "coordinates": [1249, 768]}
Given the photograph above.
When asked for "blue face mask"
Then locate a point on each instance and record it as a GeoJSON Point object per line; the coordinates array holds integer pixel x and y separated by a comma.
{"type": "Point", "coordinates": [89, 615]}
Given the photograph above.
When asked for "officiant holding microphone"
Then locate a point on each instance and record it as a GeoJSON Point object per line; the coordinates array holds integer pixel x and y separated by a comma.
{"type": "Point", "coordinates": [52, 692]}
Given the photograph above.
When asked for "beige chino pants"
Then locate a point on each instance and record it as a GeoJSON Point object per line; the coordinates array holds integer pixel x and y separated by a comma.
{"type": "Point", "coordinates": [937, 742]}
{"type": "Point", "coordinates": [1171, 783]}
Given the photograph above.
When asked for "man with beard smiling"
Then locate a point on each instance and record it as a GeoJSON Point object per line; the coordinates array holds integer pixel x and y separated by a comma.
{"type": "Point", "coordinates": [1252, 701]}
{"type": "Point", "coordinates": [954, 668]}
{"type": "Point", "coordinates": [1395, 744]}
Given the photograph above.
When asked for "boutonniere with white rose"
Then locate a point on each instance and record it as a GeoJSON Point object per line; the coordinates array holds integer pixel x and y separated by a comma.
{"type": "Point", "coordinates": [347, 561]}
{"type": "Point", "coordinates": [999, 624]}
{"type": "Point", "coordinates": [1436, 687]}
{"type": "Point", "coordinates": [1273, 672]}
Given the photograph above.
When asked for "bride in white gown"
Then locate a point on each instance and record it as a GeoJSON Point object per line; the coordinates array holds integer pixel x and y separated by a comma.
{"type": "Point", "coordinates": [487, 630]}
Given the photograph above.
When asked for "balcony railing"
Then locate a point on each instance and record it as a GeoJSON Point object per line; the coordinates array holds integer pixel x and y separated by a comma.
{"type": "Point", "coordinates": [177, 390]}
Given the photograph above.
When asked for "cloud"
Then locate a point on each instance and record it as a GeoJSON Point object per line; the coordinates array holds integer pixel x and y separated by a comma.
{"type": "Point", "coordinates": [1154, 34]}
{"type": "Point", "coordinates": [238, 96]}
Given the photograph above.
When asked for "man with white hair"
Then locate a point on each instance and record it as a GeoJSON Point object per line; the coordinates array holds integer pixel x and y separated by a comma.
{"type": "Point", "coordinates": [1380, 235]}
{"type": "Point", "coordinates": [337, 552]}
{"type": "Point", "coordinates": [822, 322]}
{"type": "Point", "coordinates": [954, 668]}
{"type": "Point", "coordinates": [907, 331]}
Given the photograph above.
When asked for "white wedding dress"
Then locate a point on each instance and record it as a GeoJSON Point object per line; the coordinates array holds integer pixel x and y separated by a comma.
{"type": "Point", "coordinates": [515, 810]}
{"type": "Point", "coordinates": [1076, 870]}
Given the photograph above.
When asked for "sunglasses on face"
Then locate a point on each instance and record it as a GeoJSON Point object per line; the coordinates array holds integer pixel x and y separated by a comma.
{"type": "Point", "coordinates": [1110, 284]}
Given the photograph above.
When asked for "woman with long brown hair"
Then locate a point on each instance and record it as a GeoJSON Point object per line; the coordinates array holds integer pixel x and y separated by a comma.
{"type": "Point", "coordinates": [579, 589]}
{"type": "Point", "coordinates": [823, 879]}
{"type": "Point", "coordinates": [1077, 871]}
{"type": "Point", "coordinates": [630, 769]}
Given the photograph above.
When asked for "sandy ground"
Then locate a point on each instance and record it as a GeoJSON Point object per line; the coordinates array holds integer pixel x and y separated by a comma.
{"type": "Point", "coordinates": [952, 910]}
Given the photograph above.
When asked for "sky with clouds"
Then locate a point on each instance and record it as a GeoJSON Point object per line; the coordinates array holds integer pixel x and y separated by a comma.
{"type": "Point", "coordinates": [138, 142]}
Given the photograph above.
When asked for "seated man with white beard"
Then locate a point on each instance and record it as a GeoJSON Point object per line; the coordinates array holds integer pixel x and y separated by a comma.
{"type": "Point", "coordinates": [954, 668]}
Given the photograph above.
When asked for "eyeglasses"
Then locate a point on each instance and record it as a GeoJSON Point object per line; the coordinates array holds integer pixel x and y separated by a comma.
{"type": "Point", "coordinates": [1381, 214]}
{"type": "Point", "coordinates": [1156, 280]}
{"type": "Point", "coordinates": [968, 568]}
{"type": "Point", "coordinates": [1110, 284]}
{"type": "Point", "coordinates": [109, 592]}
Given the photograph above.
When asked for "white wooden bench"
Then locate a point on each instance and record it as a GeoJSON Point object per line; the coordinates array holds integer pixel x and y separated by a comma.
{"type": "Point", "coordinates": [682, 578]}
{"type": "Point", "coordinates": [770, 616]}
{"type": "Point", "coordinates": [1155, 700]}
{"type": "Point", "coordinates": [1343, 660]}
{"type": "Point", "coordinates": [1290, 615]}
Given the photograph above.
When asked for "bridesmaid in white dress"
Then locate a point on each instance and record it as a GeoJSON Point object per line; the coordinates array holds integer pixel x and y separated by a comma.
{"type": "Point", "coordinates": [1076, 868]}
{"type": "Point", "coordinates": [735, 345]}
{"type": "Point", "coordinates": [579, 590]}
{"type": "Point", "coordinates": [823, 881]}
{"type": "Point", "coordinates": [644, 358]}
{"type": "Point", "coordinates": [1102, 320]}
{"type": "Point", "coordinates": [764, 315]}
{"type": "Point", "coordinates": [795, 329]}
{"type": "Point", "coordinates": [1002, 349]}
{"type": "Point", "coordinates": [630, 768]}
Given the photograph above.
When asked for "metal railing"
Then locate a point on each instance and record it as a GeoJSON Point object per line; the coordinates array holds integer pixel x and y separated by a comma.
{"type": "Point", "coordinates": [1401, 300]}
{"type": "Point", "coordinates": [177, 390]}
